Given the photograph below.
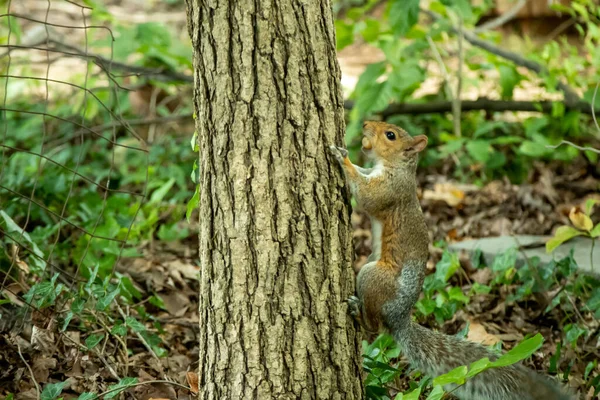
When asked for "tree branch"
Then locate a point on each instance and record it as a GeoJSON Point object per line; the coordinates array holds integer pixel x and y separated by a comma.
{"type": "Point", "coordinates": [484, 104]}
{"type": "Point", "coordinates": [571, 96]}
{"type": "Point", "coordinates": [501, 19]}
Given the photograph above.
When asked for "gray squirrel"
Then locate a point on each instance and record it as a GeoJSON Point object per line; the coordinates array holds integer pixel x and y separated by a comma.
{"type": "Point", "coordinates": [389, 285]}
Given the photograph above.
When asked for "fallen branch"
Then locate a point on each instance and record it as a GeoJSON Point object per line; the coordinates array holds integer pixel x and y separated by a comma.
{"type": "Point", "coordinates": [481, 104]}
{"type": "Point", "coordinates": [570, 95]}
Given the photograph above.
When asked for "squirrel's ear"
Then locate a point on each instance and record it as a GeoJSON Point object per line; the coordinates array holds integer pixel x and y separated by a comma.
{"type": "Point", "coordinates": [418, 144]}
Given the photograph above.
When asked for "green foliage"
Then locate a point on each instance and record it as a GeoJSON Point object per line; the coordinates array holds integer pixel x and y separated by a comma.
{"type": "Point", "coordinates": [560, 277]}
{"type": "Point", "coordinates": [583, 226]}
{"type": "Point", "coordinates": [441, 299]}
{"type": "Point", "coordinates": [489, 147]}
{"type": "Point", "coordinates": [68, 246]}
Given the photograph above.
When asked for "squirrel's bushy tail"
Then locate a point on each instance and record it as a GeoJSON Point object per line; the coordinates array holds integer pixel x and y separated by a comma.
{"type": "Point", "coordinates": [435, 353]}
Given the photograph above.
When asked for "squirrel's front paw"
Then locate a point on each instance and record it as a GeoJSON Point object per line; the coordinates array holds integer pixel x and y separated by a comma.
{"type": "Point", "coordinates": [338, 152]}
{"type": "Point", "coordinates": [354, 306]}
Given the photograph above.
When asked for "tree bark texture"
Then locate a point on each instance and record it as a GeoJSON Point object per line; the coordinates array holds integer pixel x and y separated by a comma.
{"type": "Point", "coordinates": [275, 243]}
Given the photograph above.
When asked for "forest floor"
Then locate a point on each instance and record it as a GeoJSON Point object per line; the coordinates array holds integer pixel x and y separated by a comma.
{"type": "Point", "coordinates": [453, 211]}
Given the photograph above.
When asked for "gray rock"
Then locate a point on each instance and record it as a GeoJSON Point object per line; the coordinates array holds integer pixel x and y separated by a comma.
{"type": "Point", "coordinates": [533, 246]}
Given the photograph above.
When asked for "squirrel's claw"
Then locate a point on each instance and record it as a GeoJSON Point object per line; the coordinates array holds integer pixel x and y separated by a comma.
{"type": "Point", "coordinates": [354, 306]}
{"type": "Point", "coordinates": [338, 152]}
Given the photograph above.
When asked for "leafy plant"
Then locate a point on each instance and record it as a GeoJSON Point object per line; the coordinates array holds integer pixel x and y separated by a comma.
{"type": "Point", "coordinates": [582, 226]}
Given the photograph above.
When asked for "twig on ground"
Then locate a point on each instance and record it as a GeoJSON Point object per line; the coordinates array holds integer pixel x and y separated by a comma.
{"type": "Point", "coordinates": [148, 347]}
{"type": "Point", "coordinates": [100, 356]}
{"type": "Point", "coordinates": [141, 384]}
{"type": "Point", "coordinates": [37, 386]}
{"type": "Point", "coordinates": [575, 146]}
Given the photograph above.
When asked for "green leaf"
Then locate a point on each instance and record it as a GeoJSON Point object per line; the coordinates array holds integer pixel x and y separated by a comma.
{"type": "Point", "coordinates": [371, 31]}
{"type": "Point", "coordinates": [66, 321]}
{"type": "Point", "coordinates": [159, 194]}
{"type": "Point", "coordinates": [520, 352]}
{"type": "Point", "coordinates": [509, 78]}
{"type": "Point", "coordinates": [93, 340]}
{"type": "Point", "coordinates": [532, 149]}
{"type": "Point", "coordinates": [369, 77]}
{"type": "Point", "coordinates": [120, 387]}
{"type": "Point", "coordinates": [596, 231]}
{"type": "Point", "coordinates": [457, 375]}
{"type": "Point", "coordinates": [10, 226]}
{"type": "Point", "coordinates": [436, 394]}
{"type": "Point", "coordinates": [120, 329]}
{"type": "Point", "coordinates": [108, 298]}
{"type": "Point", "coordinates": [344, 34]}
{"type": "Point", "coordinates": [480, 150]}
{"type": "Point", "coordinates": [87, 396]}
{"type": "Point", "coordinates": [194, 142]}
{"type": "Point", "coordinates": [447, 266]}
{"type": "Point", "coordinates": [52, 390]}
{"type": "Point", "coordinates": [589, 206]}
{"type": "Point", "coordinates": [572, 333]}
{"type": "Point", "coordinates": [456, 293]}
{"type": "Point", "coordinates": [478, 367]}
{"type": "Point", "coordinates": [77, 305]}
{"type": "Point", "coordinates": [562, 234]}
{"type": "Point", "coordinates": [135, 325]}
{"type": "Point", "coordinates": [413, 395]}
{"type": "Point", "coordinates": [403, 15]}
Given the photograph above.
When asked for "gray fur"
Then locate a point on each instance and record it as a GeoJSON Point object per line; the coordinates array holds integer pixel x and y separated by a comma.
{"type": "Point", "coordinates": [435, 353]}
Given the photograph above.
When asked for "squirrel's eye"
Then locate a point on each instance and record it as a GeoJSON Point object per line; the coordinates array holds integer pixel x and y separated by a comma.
{"type": "Point", "coordinates": [390, 135]}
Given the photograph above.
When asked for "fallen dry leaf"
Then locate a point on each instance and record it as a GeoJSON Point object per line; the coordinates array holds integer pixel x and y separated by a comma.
{"type": "Point", "coordinates": [192, 379]}
{"type": "Point", "coordinates": [446, 192]}
{"type": "Point", "coordinates": [478, 334]}
{"type": "Point", "coordinates": [580, 220]}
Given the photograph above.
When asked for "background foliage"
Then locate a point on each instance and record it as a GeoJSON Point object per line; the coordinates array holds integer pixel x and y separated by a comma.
{"type": "Point", "coordinates": [61, 251]}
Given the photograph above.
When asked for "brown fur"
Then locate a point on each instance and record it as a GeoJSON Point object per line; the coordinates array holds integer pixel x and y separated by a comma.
{"type": "Point", "coordinates": [388, 194]}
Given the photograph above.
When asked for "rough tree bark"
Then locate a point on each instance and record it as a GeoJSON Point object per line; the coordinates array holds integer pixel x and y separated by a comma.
{"type": "Point", "coordinates": [275, 246]}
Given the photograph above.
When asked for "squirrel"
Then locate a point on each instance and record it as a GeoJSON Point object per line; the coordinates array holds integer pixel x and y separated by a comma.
{"type": "Point", "coordinates": [390, 283]}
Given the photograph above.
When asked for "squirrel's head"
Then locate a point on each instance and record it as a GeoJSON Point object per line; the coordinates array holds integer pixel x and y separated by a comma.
{"type": "Point", "coordinates": [389, 143]}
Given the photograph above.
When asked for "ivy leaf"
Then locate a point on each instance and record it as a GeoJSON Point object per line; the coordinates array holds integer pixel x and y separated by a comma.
{"type": "Point", "coordinates": [596, 231]}
{"type": "Point", "coordinates": [105, 300]}
{"type": "Point", "coordinates": [404, 14]}
{"type": "Point", "coordinates": [87, 396]}
{"type": "Point", "coordinates": [135, 325]}
{"type": "Point", "coordinates": [52, 390]}
{"type": "Point", "coordinates": [93, 340]}
{"type": "Point", "coordinates": [562, 234]}
{"type": "Point", "coordinates": [520, 352]}
{"type": "Point", "coordinates": [120, 387]}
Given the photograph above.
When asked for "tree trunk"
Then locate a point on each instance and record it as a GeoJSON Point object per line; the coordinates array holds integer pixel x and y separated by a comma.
{"type": "Point", "coordinates": [275, 244]}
